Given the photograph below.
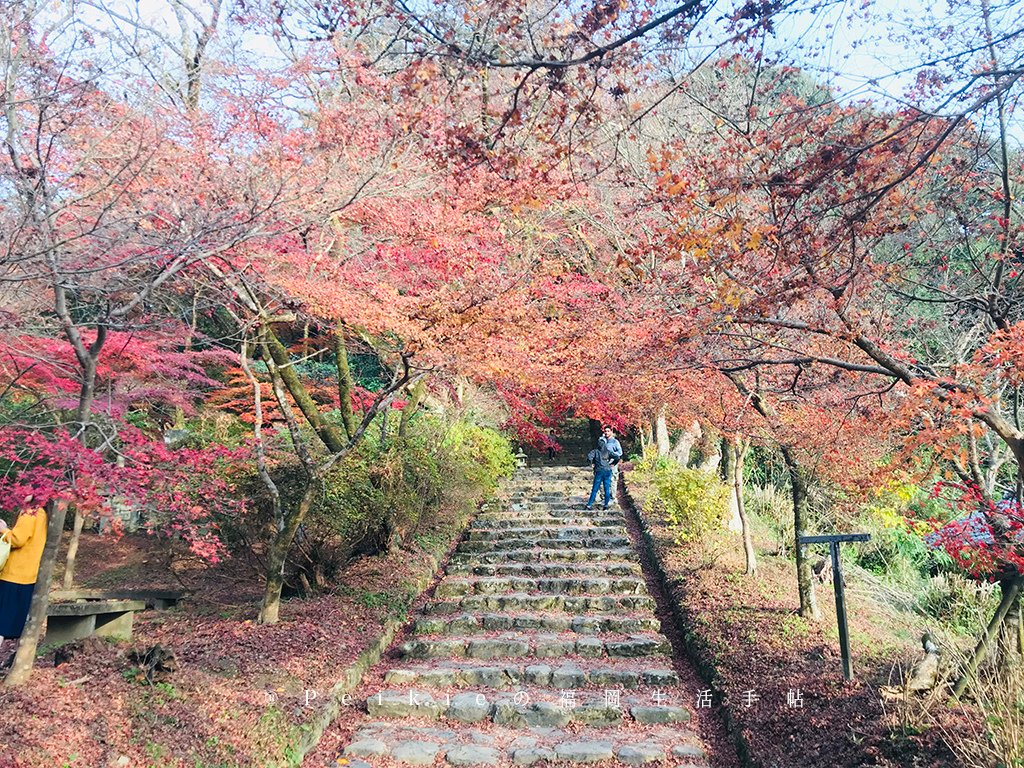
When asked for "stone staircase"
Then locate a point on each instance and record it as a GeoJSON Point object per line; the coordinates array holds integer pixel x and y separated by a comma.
{"type": "Point", "coordinates": [539, 647]}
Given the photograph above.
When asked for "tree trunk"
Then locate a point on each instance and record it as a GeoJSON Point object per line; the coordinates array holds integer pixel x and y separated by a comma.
{"type": "Point", "coordinates": [661, 433]}
{"type": "Point", "coordinates": [257, 432]}
{"type": "Point", "coordinates": [33, 632]}
{"type": "Point", "coordinates": [277, 557]}
{"type": "Point", "coordinates": [281, 544]}
{"type": "Point", "coordinates": [344, 381]}
{"type": "Point", "coordinates": [684, 444]}
{"type": "Point", "coordinates": [711, 462]}
{"type": "Point", "coordinates": [87, 393]}
{"type": "Point", "coordinates": [1011, 590]}
{"type": "Point", "coordinates": [69, 563]}
{"type": "Point", "coordinates": [739, 451]}
{"type": "Point", "coordinates": [733, 522]}
{"type": "Point", "coordinates": [327, 432]}
{"type": "Point", "coordinates": [804, 577]}
{"type": "Point", "coordinates": [1009, 635]}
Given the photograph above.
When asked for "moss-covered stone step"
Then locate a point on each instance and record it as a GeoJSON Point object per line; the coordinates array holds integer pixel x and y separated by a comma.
{"type": "Point", "coordinates": [554, 570]}
{"type": "Point", "coordinates": [559, 532]}
{"type": "Point", "coordinates": [539, 646]}
{"type": "Point", "coordinates": [542, 555]}
{"type": "Point", "coordinates": [496, 585]}
{"type": "Point", "coordinates": [504, 521]}
{"type": "Point", "coordinates": [524, 602]}
{"type": "Point", "coordinates": [525, 708]}
{"type": "Point", "coordinates": [580, 541]}
{"type": "Point", "coordinates": [465, 745]}
{"type": "Point", "coordinates": [455, 674]}
{"type": "Point", "coordinates": [465, 623]}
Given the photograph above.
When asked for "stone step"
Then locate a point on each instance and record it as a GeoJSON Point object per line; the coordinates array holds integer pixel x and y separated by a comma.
{"type": "Point", "coordinates": [504, 521]}
{"type": "Point", "coordinates": [539, 646]}
{"type": "Point", "coordinates": [555, 570]}
{"type": "Point", "coordinates": [465, 674]}
{"type": "Point", "coordinates": [550, 516]}
{"type": "Point", "coordinates": [408, 744]}
{"type": "Point", "coordinates": [577, 542]}
{"type": "Point", "coordinates": [497, 585]}
{"type": "Point", "coordinates": [576, 506]}
{"type": "Point", "coordinates": [466, 623]}
{"type": "Point", "coordinates": [542, 555]}
{"type": "Point", "coordinates": [527, 707]}
{"type": "Point", "coordinates": [558, 532]}
{"type": "Point", "coordinates": [522, 602]}
{"type": "Point", "coordinates": [576, 498]}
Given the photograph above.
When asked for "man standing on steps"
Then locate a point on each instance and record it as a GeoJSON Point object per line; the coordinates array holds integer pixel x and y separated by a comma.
{"type": "Point", "coordinates": [603, 459]}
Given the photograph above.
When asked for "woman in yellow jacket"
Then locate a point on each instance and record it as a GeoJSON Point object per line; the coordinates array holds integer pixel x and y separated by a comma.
{"type": "Point", "coordinates": [18, 576]}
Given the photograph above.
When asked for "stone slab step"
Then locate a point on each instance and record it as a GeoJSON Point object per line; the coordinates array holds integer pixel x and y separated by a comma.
{"type": "Point", "coordinates": [542, 555]}
{"type": "Point", "coordinates": [575, 503]}
{"type": "Point", "coordinates": [504, 521]}
{"type": "Point", "coordinates": [523, 602]}
{"type": "Point", "coordinates": [547, 532]}
{"type": "Point", "coordinates": [539, 646]}
{"type": "Point", "coordinates": [575, 516]}
{"type": "Point", "coordinates": [454, 586]}
{"type": "Point", "coordinates": [579, 541]}
{"type": "Point", "coordinates": [553, 570]}
{"type": "Point", "coordinates": [611, 673]}
{"type": "Point", "coordinates": [490, 622]}
{"type": "Point", "coordinates": [500, 745]}
{"type": "Point", "coordinates": [527, 707]}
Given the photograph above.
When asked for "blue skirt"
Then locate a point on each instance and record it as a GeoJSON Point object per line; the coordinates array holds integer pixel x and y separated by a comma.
{"type": "Point", "coordinates": [15, 600]}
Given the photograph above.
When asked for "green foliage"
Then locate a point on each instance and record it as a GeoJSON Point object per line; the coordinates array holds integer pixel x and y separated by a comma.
{"type": "Point", "coordinates": [764, 467]}
{"type": "Point", "coordinates": [897, 550]}
{"type": "Point", "coordinates": [385, 493]}
{"type": "Point", "coordinates": [692, 501]}
{"type": "Point", "coordinates": [480, 455]}
{"type": "Point", "coordinates": [215, 427]}
{"type": "Point", "coordinates": [317, 371]}
{"type": "Point", "coordinates": [772, 505]}
{"type": "Point", "coordinates": [367, 371]}
{"type": "Point", "coordinates": [958, 603]}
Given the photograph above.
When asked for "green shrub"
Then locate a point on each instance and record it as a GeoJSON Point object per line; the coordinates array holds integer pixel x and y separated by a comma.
{"type": "Point", "coordinates": [387, 492]}
{"type": "Point", "coordinates": [693, 502]}
{"type": "Point", "coordinates": [481, 456]}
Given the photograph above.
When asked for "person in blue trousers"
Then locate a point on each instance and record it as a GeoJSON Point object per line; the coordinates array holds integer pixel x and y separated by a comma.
{"type": "Point", "coordinates": [603, 459]}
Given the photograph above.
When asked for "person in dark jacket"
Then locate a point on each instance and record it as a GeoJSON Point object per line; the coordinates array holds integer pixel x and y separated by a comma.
{"type": "Point", "coordinates": [603, 459]}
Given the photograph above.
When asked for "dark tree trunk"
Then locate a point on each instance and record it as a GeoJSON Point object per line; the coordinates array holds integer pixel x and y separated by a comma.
{"type": "Point", "coordinates": [804, 577]}
{"type": "Point", "coordinates": [277, 557]}
{"type": "Point", "coordinates": [344, 381]}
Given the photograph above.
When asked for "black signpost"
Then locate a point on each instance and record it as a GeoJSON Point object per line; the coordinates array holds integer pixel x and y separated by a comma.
{"type": "Point", "coordinates": [833, 541]}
